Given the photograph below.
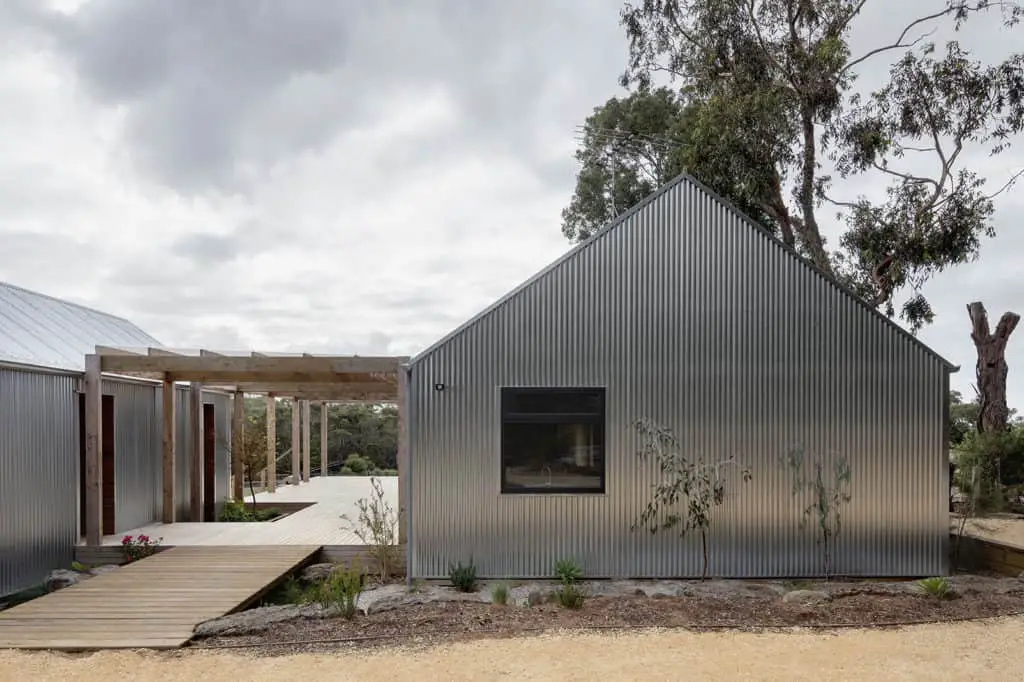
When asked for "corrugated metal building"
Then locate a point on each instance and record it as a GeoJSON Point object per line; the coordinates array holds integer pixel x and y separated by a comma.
{"type": "Point", "coordinates": [684, 312]}
{"type": "Point", "coordinates": [43, 343]}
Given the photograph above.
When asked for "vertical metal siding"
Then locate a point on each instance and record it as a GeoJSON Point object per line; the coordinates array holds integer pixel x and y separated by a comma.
{"type": "Point", "coordinates": [692, 317]}
{"type": "Point", "coordinates": [183, 448]}
{"type": "Point", "coordinates": [222, 465]}
{"type": "Point", "coordinates": [138, 453]}
{"type": "Point", "coordinates": [38, 475]}
{"type": "Point", "coordinates": [182, 453]}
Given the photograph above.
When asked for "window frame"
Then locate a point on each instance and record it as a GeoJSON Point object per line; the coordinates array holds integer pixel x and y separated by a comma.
{"type": "Point", "coordinates": [598, 418]}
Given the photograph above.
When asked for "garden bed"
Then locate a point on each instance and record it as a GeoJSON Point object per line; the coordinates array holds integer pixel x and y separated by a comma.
{"type": "Point", "coordinates": [394, 615]}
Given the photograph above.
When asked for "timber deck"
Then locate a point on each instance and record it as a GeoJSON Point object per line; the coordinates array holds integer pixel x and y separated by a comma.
{"type": "Point", "coordinates": [153, 603]}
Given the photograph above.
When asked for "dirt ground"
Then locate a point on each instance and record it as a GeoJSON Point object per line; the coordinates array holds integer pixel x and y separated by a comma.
{"type": "Point", "coordinates": [962, 651]}
{"type": "Point", "coordinates": [867, 604]}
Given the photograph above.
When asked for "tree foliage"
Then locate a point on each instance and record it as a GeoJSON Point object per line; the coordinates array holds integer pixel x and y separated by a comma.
{"type": "Point", "coordinates": [697, 485]}
{"type": "Point", "coordinates": [963, 418]}
{"type": "Point", "coordinates": [253, 450]}
{"type": "Point", "coordinates": [367, 429]}
{"type": "Point", "coordinates": [767, 95]}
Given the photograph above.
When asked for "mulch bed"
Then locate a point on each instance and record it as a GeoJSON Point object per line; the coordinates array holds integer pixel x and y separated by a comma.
{"type": "Point", "coordinates": [451, 621]}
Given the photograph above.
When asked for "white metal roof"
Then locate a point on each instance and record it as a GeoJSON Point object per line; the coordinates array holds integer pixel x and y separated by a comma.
{"type": "Point", "coordinates": [40, 330]}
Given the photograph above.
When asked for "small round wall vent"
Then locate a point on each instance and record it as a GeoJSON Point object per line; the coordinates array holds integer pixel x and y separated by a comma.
{"type": "Point", "coordinates": [438, 386]}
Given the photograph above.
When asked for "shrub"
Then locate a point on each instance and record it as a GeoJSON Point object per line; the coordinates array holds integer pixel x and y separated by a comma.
{"type": "Point", "coordinates": [570, 596]}
{"type": "Point", "coordinates": [499, 593]}
{"type": "Point", "coordinates": [936, 587]}
{"type": "Point", "coordinates": [138, 547]}
{"type": "Point", "coordinates": [357, 464]}
{"type": "Point", "coordinates": [463, 576]}
{"type": "Point", "coordinates": [345, 471]}
{"type": "Point", "coordinates": [290, 591]}
{"type": "Point", "coordinates": [342, 589]}
{"type": "Point", "coordinates": [235, 511]}
{"type": "Point", "coordinates": [569, 573]}
{"type": "Point", "coordinates": [377, 527]}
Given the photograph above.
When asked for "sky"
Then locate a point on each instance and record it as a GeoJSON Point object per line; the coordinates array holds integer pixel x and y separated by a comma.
{"type": "Point", "coordinates": [344, 177]}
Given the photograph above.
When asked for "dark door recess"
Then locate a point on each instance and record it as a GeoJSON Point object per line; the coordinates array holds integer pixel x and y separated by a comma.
{"type": "Point", "coordinates": [108, 456]}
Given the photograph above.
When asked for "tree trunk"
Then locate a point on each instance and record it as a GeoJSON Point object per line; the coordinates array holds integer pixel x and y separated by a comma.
{"type": "Point", "coordinates": [704, 548]}
{"type": "Point", "coordinates": [991, 370]}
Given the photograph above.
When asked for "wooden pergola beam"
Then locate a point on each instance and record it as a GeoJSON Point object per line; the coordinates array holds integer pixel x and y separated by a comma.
{"type": "Point", "coordinates": [403, 456]}
{"type": "Point", "coordinates": [169, 451]}
{"type": "Point", "coordinates": [271, 443]}
{"type": "Point", "coordinates": [196, 455]}
{"type": "Point", "coordinates": [324, 459]}
{"type": "Point", "coordinates": [306, 457]}
{"type": "Point", "coordinates": [288, 388]}
{"type": "Point", "coordinates": [237, 424]}
{"type": "Point", "coordinates": [93, 386]}
{"type": "Point", "coordinates": [225, 367]}
{"type": "Point", "coordinates": [296, 445]}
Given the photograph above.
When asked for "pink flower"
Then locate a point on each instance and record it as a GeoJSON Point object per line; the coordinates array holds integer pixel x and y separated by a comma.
{"type": "Point", "coordinates": [126, 539]}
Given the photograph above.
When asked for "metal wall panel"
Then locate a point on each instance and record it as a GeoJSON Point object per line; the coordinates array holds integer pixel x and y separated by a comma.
{"type": "Point", "coordinates": [182, 452]}
{"type": "Point", "coordinates": [138, 448]}
{"type": "Point", "coordinates": [38, 475]}
{"type": "Point", "coordinates": [689, 315]}
{"type": "Point", "coordinates": [222, 406]}
{"type": "Point", "coordinates": [183, 449]}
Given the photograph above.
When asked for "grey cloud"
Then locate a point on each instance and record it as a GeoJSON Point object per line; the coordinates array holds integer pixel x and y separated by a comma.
{"type": "Point", "coordinates": [205, 249]}
{"type": "Point", "coordinates": [192, 73]}
{"type": "Point", "coordinates": [212, 90]}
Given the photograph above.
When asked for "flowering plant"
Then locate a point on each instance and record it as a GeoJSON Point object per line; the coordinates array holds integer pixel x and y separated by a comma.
{"type": "Point", "coordinates": [139, 547]}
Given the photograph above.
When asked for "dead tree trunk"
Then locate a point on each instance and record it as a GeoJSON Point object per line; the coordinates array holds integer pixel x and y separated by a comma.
{"type": "Point", "coordinates": [993, 415]}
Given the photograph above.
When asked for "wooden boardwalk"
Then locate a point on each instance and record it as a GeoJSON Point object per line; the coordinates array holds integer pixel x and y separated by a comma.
{"type": "Point", "coordinates": [154, 603]}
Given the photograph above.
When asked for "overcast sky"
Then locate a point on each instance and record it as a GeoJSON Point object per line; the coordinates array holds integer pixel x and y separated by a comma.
{"type": "Point", "coordinates": [338, 176]}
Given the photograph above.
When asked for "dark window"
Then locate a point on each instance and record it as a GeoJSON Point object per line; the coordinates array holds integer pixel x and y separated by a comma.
{"type": "Point", "coordinates": [552, 440]}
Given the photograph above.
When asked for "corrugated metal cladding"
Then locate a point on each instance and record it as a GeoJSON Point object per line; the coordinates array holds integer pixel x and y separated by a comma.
{"type": "Point", "coordinates": [183, 448]}
{"type": "Point", "coordinates": [48, 332]}
{"type": "Point", "coordinates": [689, 315]}
{"type": "Point", "coordinates": [38, 475]}
{"type": "Point", "coordinates": [39, 465]}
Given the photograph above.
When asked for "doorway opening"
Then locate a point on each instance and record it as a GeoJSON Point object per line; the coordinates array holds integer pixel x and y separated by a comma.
{"type": "Point", "coordinates": [107, 455]}
{"type": "Point", "coordinates": [209, 462]}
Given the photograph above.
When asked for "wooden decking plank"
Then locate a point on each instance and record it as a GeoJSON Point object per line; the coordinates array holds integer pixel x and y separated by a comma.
{"type": "Point", "coordinates": [153, 603]}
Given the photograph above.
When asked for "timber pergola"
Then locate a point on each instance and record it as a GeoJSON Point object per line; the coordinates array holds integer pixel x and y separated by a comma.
{"type": "Point", "coordinates": [304, 378]}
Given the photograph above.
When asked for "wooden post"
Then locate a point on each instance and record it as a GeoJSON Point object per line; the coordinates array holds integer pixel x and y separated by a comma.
{"type": "Point", "coordinates": [271, 442]}
{"type": "Point", "coordinates": [169, 443]}
{"type": "Point", "coordinates": [323, 439]}
{"type": "Point", "coordinates": [195, 478]}
{"type": "Point", "coordinates": [93, 473]}
{"type": "Point", "coordinates": [237, 424]}
{"type": "Point", "coordinates": [403, 454]}
{"type": "Point", "coordinates": [296, 442]}
{"type": "Point", "coordinates": [306, 468]}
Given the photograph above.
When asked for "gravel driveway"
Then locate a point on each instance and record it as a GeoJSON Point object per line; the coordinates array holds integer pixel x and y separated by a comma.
{"type": "Point", "coordinates": [987, 651]}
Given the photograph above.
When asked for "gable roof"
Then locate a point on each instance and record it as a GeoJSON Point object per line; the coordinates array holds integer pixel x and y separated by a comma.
{"type": "Point", "coordinates": [682, 178]}
{"type": "Point", "coordinates": [43, 331]}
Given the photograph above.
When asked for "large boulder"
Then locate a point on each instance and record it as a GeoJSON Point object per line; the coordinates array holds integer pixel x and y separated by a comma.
{"type": "Point", "coordinates": [62, 577]}
{"type": "Point", "coordinates": [257, 620]}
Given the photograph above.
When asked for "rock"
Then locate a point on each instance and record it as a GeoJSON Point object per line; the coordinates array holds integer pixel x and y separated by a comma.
{"type": "Point", "coordinates": [318, 572]}
{"type": "Point", "coordinates": [61, 578]}
{"type": "Point", "coordinates": [257, 620]}
{"type": "Point", "coordinates": [100, 570]}
{"type": "Point", "coordinates": [806, 597]}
